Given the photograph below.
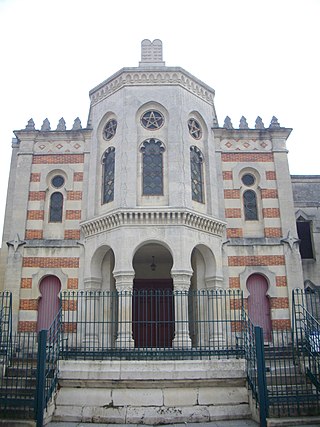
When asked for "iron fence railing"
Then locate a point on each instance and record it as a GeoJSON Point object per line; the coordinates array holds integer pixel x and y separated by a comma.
{"type": "Point", "coordinates": [306, 317]}
{"type": "Point", "coordinates": [249, 344]}
{"type": "Point", "coordinates": [47, 366]}
{"type": "Point", "coordinates": [5, 327]}
{"type": "Point", "coordinates": [149, 324]}
{"type": "Point", "coordinates": [290, 391]}
{"type": "Point", "coordinates": [18, 379]}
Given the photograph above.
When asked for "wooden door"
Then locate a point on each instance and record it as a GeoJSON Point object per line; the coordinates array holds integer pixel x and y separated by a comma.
{"type": "Point", "coordinates": [49, 301]}
{"type": "Point", "coordinates": [258, 304]}
{"type": "Point", "coordinates": [153, 313]}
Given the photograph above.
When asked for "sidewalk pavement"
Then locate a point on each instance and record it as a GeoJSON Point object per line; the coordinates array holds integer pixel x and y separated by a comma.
{"type": "Point", "coordinates": [230, 423]}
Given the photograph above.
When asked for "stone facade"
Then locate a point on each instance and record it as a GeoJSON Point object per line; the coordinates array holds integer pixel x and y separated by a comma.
{"type": "Point", "coordinates": [199, 226]}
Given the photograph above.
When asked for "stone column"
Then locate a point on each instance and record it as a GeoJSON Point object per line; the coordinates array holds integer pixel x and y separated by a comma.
{"type": "Point", "coordinates": [181, 286]}
{"type": "Point", "coordinates": [216, 312]}
{"type": "Point", "coordinates": [89, 312]}
{"type": "Point", "coordinates": [124, 286]}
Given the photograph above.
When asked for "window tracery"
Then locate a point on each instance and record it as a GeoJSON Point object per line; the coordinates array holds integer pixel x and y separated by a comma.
{"type": "Point", "coordinates": [108, 175]}
{"type": "Point", "coordinates": [196, 161]}
{"type": "Point", "coordinates": [152, 167]}
{"type": "Point", "coordinates": [152, 120]}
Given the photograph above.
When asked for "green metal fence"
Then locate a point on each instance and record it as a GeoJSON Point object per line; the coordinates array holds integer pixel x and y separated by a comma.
{"type": "Point", "coordinates": [5, 327]}
{"type": "Point", "coordinates": [150, 324]}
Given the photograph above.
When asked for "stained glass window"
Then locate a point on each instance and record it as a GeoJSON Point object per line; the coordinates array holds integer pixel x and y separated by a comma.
{"type": "Point", "coordinates": [108, 175]}
{"type": "Point", "coordinates": [56, 207]}
{"type": "Point", "coordinates": [57, 181]}
{"type": "Point", "coordinates": [196, 161]}
{"type": "Point", "coordinates": [110, 129]}
{"type": "Point", "coordinates": [152, 166]}
{"type": "Point", "coordinates": [152, 120]}
{"type": "Point", "coordinates": [250, 205]}
{"type": "Point", "coordinates": [248, 179]}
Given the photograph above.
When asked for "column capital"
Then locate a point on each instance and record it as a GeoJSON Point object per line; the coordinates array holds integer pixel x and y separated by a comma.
{"type": "Point", "coordinates": [124, 280]}
{"type": "Point", "coordinates": [181, 279]}
{"type": "Point", "coordinates": [92, 283]}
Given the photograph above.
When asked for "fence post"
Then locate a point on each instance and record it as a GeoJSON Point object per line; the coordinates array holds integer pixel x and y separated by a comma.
{"type": "Point", "coordinates": [261, 371]}
{"type": "Point", "coordinates": [41, 377]}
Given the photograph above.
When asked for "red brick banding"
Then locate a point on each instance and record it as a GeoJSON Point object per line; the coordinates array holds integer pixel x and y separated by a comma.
{"type": "Point", "coordinates": [271, 213]}
{"type": "Point", "coordinates": [34, 234]}
{"type": "Point", "coordinates": [234, 282]}
{"type": "Point", "coordinates": [233, 213]}
{"type": "Point", "coordinates": [74, 195]}
{"type": "Point", "coordinates": [50, 262]}
{"type": "Point", "coordinates": [280, 324]}
{"type": "Point", "coordinates": [234, 232]}
{"type": "Point", "coordinates": [35, 177]}
{"type": "Point", "coordinates": [247, 157]}
{"type": "Point", "coordinates": [269, 193]}
{"type": "Point", "coordinates": [227, 175]}
{"type": "Point", "coordinates": [272, 232]}
{"type": "Point", "coordinates": [45, 159]}
{"type": "Point", "coordinates": [281, 281]}
{"type": "Point", "coordinates": [35, 214]}
{"type": "Point", "coordinates": [73, 214]}
{"type": "Point", "coordinates": [28, 304]}
{"type": "Point", "coordinates": [69, 327]}
{"type": "Point", "coordinates": [72, 234]}
{"type": "Point", "coordinates": [78, 176]}
{"type": "Point", "coordinates": [279, 302]}
{"type": "Point", "coordinates": [232, 194]}
{"type": "Point", "coordinates": [26, 283]}
{"type": "Point", "coordinates": [242, 261]}
{"type": "Point", "coordinates": [69, 305]}
{"type": "Point", "coordinates": [271, 175]}
{"type": "Point", "coordinates": [27, 326]}
{"type": "Point", "coordinates": [72, 283]}
{"type": "Point", "coordinates": [36, 195]}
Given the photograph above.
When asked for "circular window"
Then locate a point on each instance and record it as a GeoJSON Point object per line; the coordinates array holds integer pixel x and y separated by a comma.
{"type": "Point", "coordinates": [194, 128]}
{"type": "Point", "coordinates": [57, 181]}
{"type": "Point", "coordinates": [110, 129]}
{"type": "Point", "coordinates": [152, 120]}
{"type": "Point", "coordinates": [248, 179]}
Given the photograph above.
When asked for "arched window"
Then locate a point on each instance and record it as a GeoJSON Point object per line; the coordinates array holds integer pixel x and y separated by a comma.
{"type": "Point", "coordinates": [152, 167]}
{"type": "Point", "coordinates": [56, 207]}
{"type": "Point", "coordinates": [196, 161]}
{"type": "Point", "coordinates": [250, 205]}
{"type": "Point", "coordinates": [108, 175]}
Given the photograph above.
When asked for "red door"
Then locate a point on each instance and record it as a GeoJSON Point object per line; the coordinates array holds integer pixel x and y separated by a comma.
{"type": "Point", "coordinates": [258, 303]}
{"type": "Point", "coordinates": [49, 301]}
{"type": "Point", "coordinates": [153, 313]}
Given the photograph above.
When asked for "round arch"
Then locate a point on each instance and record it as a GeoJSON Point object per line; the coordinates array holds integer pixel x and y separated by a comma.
{"type": "Point", "coordinates": [204, 268]}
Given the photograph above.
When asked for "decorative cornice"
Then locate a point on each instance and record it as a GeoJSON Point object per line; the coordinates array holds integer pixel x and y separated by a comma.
{"type": "Point", "coordinates": [154, 217]}
{"type": "Point", "coordinates": [166, 76]}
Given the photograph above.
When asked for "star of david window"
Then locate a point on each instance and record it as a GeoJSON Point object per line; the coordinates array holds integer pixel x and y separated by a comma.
{"type": "Point", "coordinates": [194, 129]}
{"type": "Point", "coordinates": [152, 120]}
{"type": "Point", "coordinates": [108, 175]}
{"type": "Point", "coordinates": [110, 129]}
{"type": "Point", "coordinates": [152, 167]}
{"type": "Point", "coordinates": [196, 161]}
{"type": "Point", "coordinates": [250, 205]}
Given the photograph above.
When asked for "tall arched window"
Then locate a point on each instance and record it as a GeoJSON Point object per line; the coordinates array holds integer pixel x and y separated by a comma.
{"type": "Point", "coordinates": [56, 207]}
{"type": "Point", "coordinates": [152, 167]}
{"type": "Point", "coordinates": [196, 161]}
{"type": "Point", "coordinates": [250, 205]}
{"type": "Point", "coordinates": [108, 175]}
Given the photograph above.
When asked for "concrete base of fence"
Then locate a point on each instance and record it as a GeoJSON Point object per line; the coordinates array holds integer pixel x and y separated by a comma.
{"type": "Point", "coordinates": [156, 392]}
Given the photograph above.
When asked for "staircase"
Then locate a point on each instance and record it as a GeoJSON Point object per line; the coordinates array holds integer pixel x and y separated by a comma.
{"type": "Point", "coordinates": [18, 379]}
{"type": "Point", "coordinates": [290, 391]}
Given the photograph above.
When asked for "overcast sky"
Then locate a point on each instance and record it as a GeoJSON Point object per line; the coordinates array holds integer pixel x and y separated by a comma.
{"type": "Point", "coordinates": [260, 56]}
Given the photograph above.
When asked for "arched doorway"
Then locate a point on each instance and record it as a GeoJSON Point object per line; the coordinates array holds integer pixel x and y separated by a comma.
{"type": "Point", "coordinates": [259, 304]}
{"type": "Point", "coordinates": [153, 304]}
{"type": "Point", "coordinates": [48, 302]}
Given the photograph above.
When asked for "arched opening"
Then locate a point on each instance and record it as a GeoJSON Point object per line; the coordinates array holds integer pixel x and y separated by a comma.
{"type": "Point", "coordinates": [49, 301]}
{"type": "Point", "coordinates": [259, 304]}
{"type": "Point", "coordinates": [153, 304]}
